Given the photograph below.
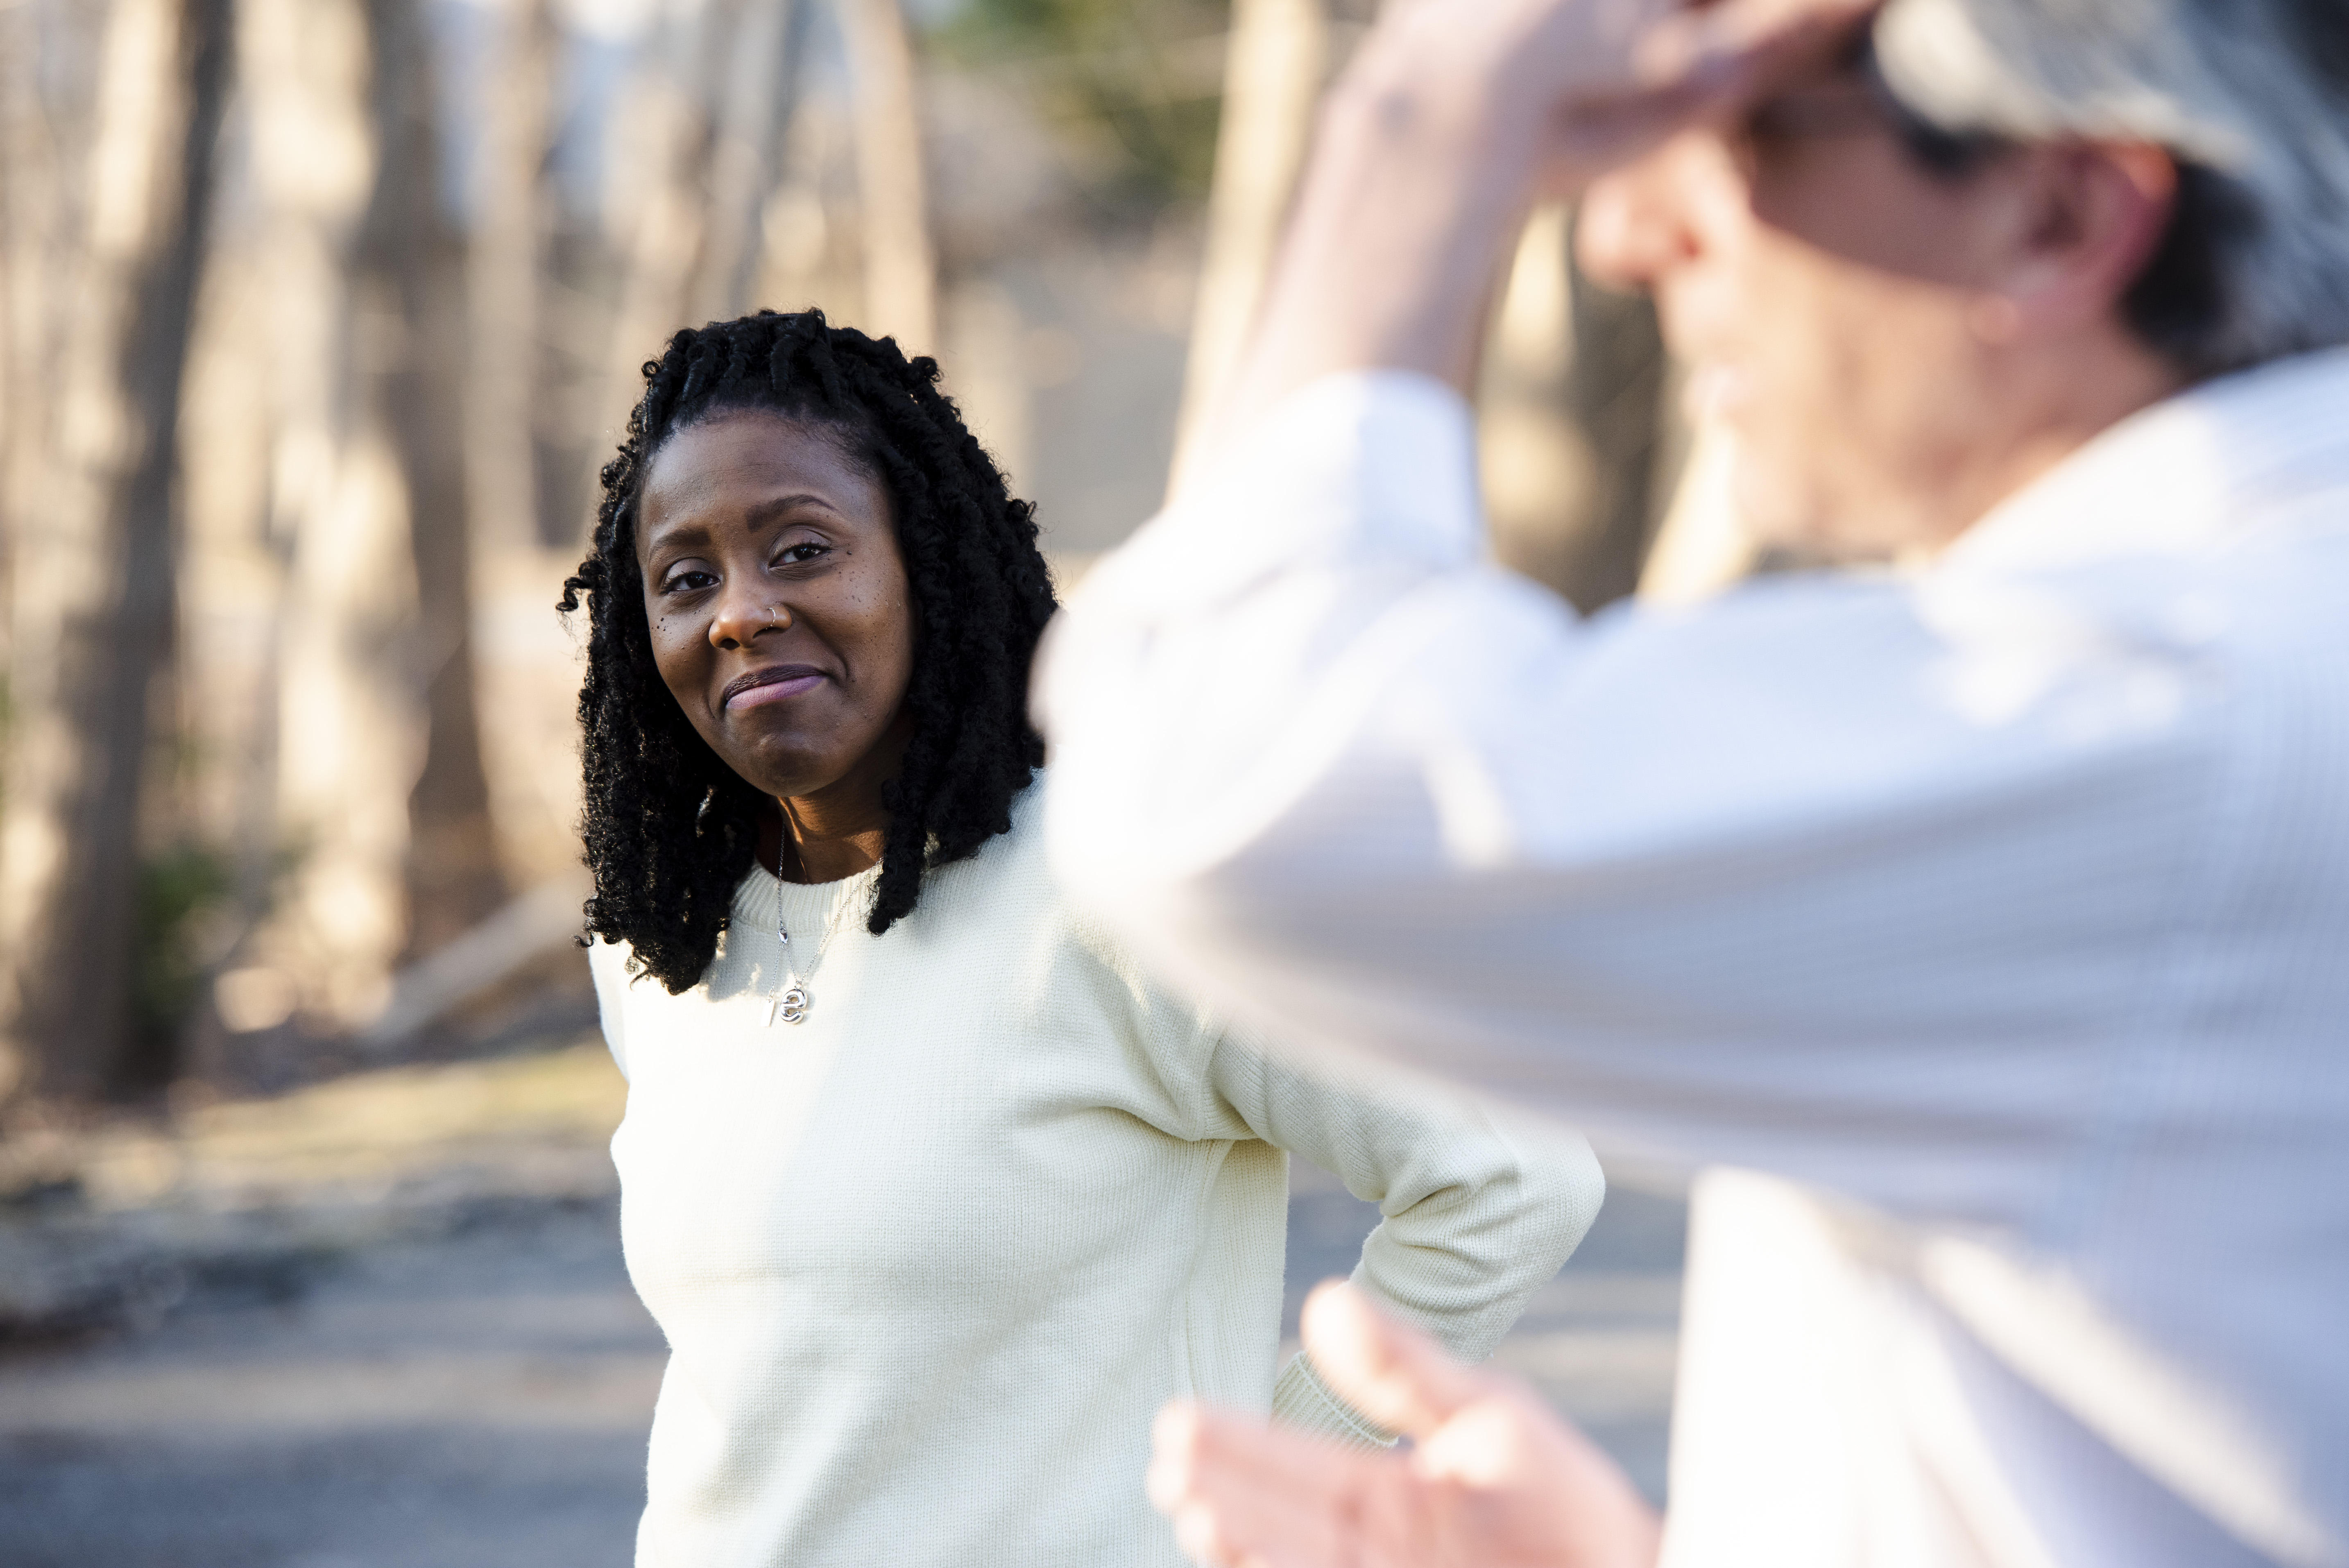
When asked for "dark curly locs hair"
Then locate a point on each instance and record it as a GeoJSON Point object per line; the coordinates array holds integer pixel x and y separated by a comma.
{"type": "Point", "coordinates": [670, 829]}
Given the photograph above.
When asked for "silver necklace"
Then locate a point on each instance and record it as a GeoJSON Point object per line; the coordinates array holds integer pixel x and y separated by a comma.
{"type": "Point", "coordinates": [790, 1003]}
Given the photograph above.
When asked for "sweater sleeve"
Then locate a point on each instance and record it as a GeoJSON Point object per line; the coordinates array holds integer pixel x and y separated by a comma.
{"type": "Point", "coordinates": [1475, 1216]}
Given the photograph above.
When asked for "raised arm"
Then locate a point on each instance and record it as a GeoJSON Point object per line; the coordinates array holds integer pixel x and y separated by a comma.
{"type": "Point", "coordinates": [1714, 883]}
{"type": "Point", "coordinates": [1451, 120]}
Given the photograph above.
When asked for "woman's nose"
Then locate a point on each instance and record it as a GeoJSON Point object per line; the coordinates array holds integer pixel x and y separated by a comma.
{"type": "Point", "coordinates": [1642, 221]}
{"type": "Point", "coordinates": [742, 616]}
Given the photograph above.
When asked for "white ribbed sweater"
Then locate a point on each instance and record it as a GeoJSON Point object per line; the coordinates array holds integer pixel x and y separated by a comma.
{"type": "Point", "coordinates": [929, 1261]}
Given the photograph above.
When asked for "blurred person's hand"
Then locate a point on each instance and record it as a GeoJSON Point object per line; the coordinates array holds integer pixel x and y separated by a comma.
{"type": "Point", "coordinates": [1557, 92]}
{"type": "Point", "coordinates": [1492, 1480]}
{"type": "Point", "coordinates": [1452, 118]}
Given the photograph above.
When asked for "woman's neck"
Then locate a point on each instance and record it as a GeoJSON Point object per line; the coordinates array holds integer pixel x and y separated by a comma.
{"type": "Point", "coordinates": [838, 830]}
{"type": "Point", "coordinates": [802, 844]}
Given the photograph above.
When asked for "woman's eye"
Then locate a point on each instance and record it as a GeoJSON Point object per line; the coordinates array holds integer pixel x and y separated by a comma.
{"type": "Point", "coordinates": [686, 582]}
{"type": "Point", "coordinates": [801, 554]}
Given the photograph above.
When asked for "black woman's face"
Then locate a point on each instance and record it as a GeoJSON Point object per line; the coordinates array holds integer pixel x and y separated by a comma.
{"type": "Point", "coordinates": [780, 611]}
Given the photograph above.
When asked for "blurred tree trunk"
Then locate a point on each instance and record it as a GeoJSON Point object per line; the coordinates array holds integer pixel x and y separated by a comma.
{"type": "Point", "coordinates": [92, 587]}
{"type": "Point", "coordinates": [349, 732]}
{"type": "Point", "coordinates": [1274, 64]}
{"type": "Point", "coordinates": [748, 160]}
{"type": "Point", "coordinates": [1573, 423]}
{"type": "Point", "coordinates": [1620, 399]}
{"type": "Point", "coordinates": [410, 269]}
{"type": "Point", "coordinates": [506, 259]}
{"type": "Point", "coordinates": [32, 198]}
{"type": "Point", "coordinates": [41, 107]}
{"type": "Point", "coordinates": [659, 199]}
{"type": "Point", "coordinates": [900, 268]}
{"type": "Point", "coordinates": [707, 121]}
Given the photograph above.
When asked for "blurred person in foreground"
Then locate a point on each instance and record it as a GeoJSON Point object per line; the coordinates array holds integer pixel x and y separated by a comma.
{"type": "Point", "coordinates": [1978, 929]}
{"type": "Point", "coordinates": [934, 1198]}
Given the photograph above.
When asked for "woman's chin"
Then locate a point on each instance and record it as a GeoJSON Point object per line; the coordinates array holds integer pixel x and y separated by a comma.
{"type": "Point", "coordinates": [780, 768]}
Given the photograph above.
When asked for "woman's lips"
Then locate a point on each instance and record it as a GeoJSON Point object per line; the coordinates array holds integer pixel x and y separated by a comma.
{"type": "Point", "coordinates": [777, 685]}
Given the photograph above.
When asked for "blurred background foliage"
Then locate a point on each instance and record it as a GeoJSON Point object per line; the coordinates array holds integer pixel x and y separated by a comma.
{"type": "Point", "coordinates": [181, 895]}
{"type": "Point", "coordinates": [318, 318]}
{"type": "Point", "coordinates": [1142, 84]}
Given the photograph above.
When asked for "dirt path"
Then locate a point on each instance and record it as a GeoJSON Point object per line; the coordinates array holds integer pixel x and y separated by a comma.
{"type": "Point", "coordinates": [477, 1399]}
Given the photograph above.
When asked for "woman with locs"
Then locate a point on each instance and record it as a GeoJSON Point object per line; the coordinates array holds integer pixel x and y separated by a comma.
{"type": "Point", "coordinates": [936, 1196]}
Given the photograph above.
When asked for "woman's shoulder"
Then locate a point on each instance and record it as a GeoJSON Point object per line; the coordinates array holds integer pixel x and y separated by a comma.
{"type": "Point", "coordinates": [610, 960]}
{"type": "Point", "coordinates": [1010, 883]}
{"type": "Point", "coordinates": [1007, 869]}
{"type": "Point", "coordinates": [1026, 862]}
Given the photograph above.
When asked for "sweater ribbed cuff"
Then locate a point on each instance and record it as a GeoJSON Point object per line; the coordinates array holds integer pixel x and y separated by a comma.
{"type": "Point", "coordinates": [1302, 1401]}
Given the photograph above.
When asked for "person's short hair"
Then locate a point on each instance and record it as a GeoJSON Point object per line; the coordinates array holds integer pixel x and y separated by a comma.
{"type": "Point", "coordinates": [2250, 97]}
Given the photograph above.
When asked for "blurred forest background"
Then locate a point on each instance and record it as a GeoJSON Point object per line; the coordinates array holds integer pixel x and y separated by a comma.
{"type": "Point", "coordinates": [317, 318]}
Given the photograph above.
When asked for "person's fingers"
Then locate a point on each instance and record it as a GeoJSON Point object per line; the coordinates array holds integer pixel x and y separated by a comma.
{"type": "Point", "coordinates": [1562, 1488]}
{"type": "Point", "coordinates": [1244, 1493]}
{"type": "Point", "coordinates": [1397, 1376]}
{"type": "Point", "coordinates": [1195, 1447]}
{"type": "Point", "coordinates": [1501, 1481]}
{"type": "Point", "coordinates": [1746, 48]}
{"type": "Point", "coordinates": [1634, 76]}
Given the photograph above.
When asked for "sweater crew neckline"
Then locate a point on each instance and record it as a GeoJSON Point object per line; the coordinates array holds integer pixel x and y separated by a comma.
{"type": "Point", "coordinates": [806, 908]}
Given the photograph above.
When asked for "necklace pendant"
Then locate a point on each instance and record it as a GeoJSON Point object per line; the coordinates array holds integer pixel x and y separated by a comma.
{"type": "Point", "coordinates": [792, 1007]}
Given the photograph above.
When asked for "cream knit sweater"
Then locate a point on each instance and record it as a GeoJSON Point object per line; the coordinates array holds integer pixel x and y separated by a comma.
{"type": "Point", "coordinates": [929, 1261]}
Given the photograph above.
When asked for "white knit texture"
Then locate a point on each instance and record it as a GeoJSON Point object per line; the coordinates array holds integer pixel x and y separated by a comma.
{"type": "Point", "coordinates": [930, 1262]}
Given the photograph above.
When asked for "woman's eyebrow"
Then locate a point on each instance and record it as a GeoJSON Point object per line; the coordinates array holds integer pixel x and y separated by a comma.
{"type": "Point", "coordinates": [761, 511]}
{"type": "Point", "coordinates": [696, 528]}
{"type": "Point", "coordinates": [682, 531]}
